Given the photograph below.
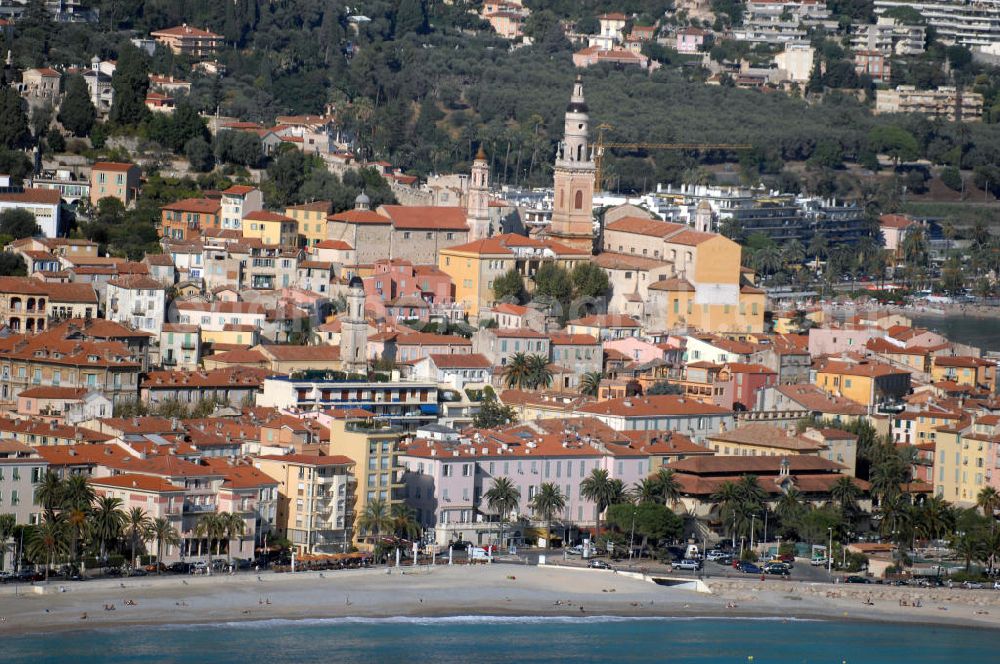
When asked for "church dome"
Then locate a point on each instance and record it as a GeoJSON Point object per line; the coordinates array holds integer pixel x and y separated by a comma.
{"type": "Point", "coordinates": [362, 200]}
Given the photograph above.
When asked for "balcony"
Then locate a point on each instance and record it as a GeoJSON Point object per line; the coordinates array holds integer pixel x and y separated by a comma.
{"type": "Point", "coordinates": [198, 509]}
{"type": "Point", "coordinates": [189, 345]}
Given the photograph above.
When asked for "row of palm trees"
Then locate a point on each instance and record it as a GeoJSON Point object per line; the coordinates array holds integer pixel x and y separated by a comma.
{"type": "Point", "coordinates": [379, 521]}
{"type": "Point", "coordinates": [503, 497]}
{"type": "Point", "coordinates": [76, 520]}
{"type": "Point", "coordinates": [528, 372]}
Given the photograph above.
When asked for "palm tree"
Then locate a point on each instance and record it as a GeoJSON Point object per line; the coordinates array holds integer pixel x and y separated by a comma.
{"type": "Point", "coordinates": [597, 487]}
{"type": "Point", "coordinates": [971, 546]}
{"type": "Point", "coordinates": [897, 517]}
{"type": "Point", "coordinates": [77, 521]}
{"type": "Point", "coordinates": [517, 372]}
{"type": "Point", "coordinates": [48, 542]}
{"type": "Point", "coordinates": [163, 532]}
{"type": "Point", "coordinates": [728, 498]}
{"type": "Point", "coordinates": [7, 524]}
{"type": "Point", "coordinates": [107, 520]}
{"type": "Point", "coordinates": [212, 528]}
{"type": "Point", "coordinates": [375, 518]}
{"type": "Point", "coordinates": [503, 498]}
{"type": "Point", "coordinates": [234, 527]}
{"type": "Point", "coordinates": [77, 493]}
{"type": "Point", "coordinates": [669, 486]}
{"type": "Point", "coordinates": [49, 493]}
{"type": "Point", "coordinates": [646, 491]}
{"type": "Point", "coordinates": [404, 522]}
{"type": "Point", "coordinates": [136, 524]}
{"type": "Point", "coordinates": [989, 501]}
{"type": "Point", "coordinates": [934, 518]}
{"type": "Point", "coordinates": [590, 383]}
{"type": "Point", "coordinates": [845, 493]}
{"type": "Point", "coordinates": [792, 252]}
{"type": "Point", "coordinates": [790, 509]}
{"type": "Point", "coordinates": [548, 502]}
{"type": "Point", "coordinates": [539, 372]}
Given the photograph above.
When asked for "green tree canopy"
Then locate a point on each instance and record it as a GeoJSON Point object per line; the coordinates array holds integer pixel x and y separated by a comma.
{"type": "Point", "coordinates": [18, 223]}
{"type": "Point", "coordinates": [77, 113]}
{"type": "Point", "coordinates": [14, 131]}
{"type": "Point", "coordinates": [129, 84]}
{"type": "Point", "coordinates": [509, 287]}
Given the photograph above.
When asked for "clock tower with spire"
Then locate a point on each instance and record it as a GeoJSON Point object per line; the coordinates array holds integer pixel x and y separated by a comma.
{"type": "Point", "coordinates": [572, 209]}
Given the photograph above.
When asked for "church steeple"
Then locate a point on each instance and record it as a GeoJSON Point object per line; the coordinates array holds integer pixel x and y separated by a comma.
{"type": "Point", "coordinates": [572, 210]}
{"type": "Point", "coordinates": [354, 330]}
{"type": "Point", "coordinates": [478, 206]}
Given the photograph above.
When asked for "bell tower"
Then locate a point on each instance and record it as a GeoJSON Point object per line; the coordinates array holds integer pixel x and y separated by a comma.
{"type": "Point", "coordinates": [572, 209]}
{"type": "Point", "coordinates": [478, 206]}
{"type": "Point", "coordinates": [354, 330]}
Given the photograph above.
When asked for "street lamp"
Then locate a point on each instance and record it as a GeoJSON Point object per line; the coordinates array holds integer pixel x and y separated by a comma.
{"type": "Point", "coordinates": [631, 537]}
{"type": "Point", "coordinates": [752, 519]}
{"type": "Point", "coordinates": [829, 553]}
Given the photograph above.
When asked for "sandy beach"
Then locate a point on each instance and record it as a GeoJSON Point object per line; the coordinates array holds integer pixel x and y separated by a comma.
{"type": "Point", "coordinates": [461, 590]}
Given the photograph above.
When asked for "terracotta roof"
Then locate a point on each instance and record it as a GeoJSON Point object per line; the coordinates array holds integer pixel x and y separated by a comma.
{"type": "Point", "coordinates": [146, 483]}
{"type": "Point", "coordinates": [614, 261]}
{"type": "Point", "coordinates": [642, 226]}
{"type": "Point", "coordinates": [310, 459]}
{"type": "Point", "coordinates": [186, 328]}
{"type": "Point", "coordinates": [460, 361]}
{"type": "Point", "coordinates": [333, 244]}
{"type": "Point", "coordinates": [898, 221]}
{"type": "Point", "coordinates": [815, 399]}
{"type": "Point", "coordinates": [756, 465]}
{"type": "Point", "coordinates": [427, 217]}
{"type": "Point", "coordinates": [673, 285]}
{"type": "Point", "coordinates": [518, 333]}
{"type": "Point", "coordinates": [863, 368]}
{"type": "Point", "coordinates": [37, 196]}
{"type": "Point", "coordinates": [506, 245]}
{"type": "Point", "coordinates": [238, 190]}
{"type": "Point", "coordinates": [199, 205]}
{"type": "Point", "coordinates": [430, 339]}
{"type": "Point", "coordinates": [265, 215]}
{"type": "Point", "coordinates": [112, 166]}
{"type": "Point", "coordinates": [315, 206]}
{"type": "Point", "coordinates": [360, 217]}
{"type": "Point", "coordinates": [227, 377]}
{"type": "Point", "coordinates": [69, 393]}
{"type": "Point", "coordinates": [962, 361]}
{"type": "Point", "coordinates": [765, 435]}
{"type": "Point", "coordinates": [565, 339]}
{"type": "Point", "coordinates": [321, 353]}
{"type": "Point", "coordinates": [162, 260]}
{"type": "Point", "coordinates": [606, 321]}
{"type": "Point", "coordinates": [22, 286]}
{"type": "Point", "coordinates": [136, 282]}
{"type": "Point", "coordinates": [242, 356]}
{"type": "Point", "coordinates": [510, 309]}
{"type": "Point", "coordinates": [185, 31]}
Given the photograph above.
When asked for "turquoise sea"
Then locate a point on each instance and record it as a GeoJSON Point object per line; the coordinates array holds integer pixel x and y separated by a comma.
{"type": "Point", "coordinates": [501, 639]}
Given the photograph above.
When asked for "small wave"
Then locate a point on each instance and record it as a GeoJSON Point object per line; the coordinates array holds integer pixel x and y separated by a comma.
{"type": "Point", "coordinates": [466, 620]}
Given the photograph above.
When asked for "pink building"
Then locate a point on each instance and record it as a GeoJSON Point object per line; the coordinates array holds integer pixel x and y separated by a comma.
{"type": "Point", "coordinates": [833, 341]}
{"type": "Point", "coordinates": [689, 40]}
{"type": "Point", "coordinates": [637, 349]}
{"type": "Point", "coordinates": [746, 380]}
{"type": "Point", "coordinates": [399, 290]}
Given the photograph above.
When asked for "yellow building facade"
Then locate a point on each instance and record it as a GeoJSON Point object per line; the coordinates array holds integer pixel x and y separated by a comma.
{"type": "Point", "coordinates": [311, 220]}
{"type": "Point", "coordinates": [475, 266]}
{"type": "Point", "coordinates": [375, 451]}
{"type": "Point", "coordinates": [271, 229]}
{"type": "Point", "coordinates": [866, 383]}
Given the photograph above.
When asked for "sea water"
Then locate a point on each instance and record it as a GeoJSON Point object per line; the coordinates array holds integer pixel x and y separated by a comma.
{"type": "Point", "coordinates": [479, 639]}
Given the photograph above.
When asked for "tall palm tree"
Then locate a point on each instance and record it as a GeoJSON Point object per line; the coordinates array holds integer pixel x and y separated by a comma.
{"type": "Point", "coordinates": [375, 519]}
{"type": "Point", "coordinates": [597, 488]}
{"type": "Point", "coordinates": [107, 520]}
{"type": "Point", "coordinates": [234, 527]}
{"type": "Point", "coordinates": [792, 252]}
{"type": "Point", "coordinates": [988, 500]}
{"type": "Point", "coordinates": [934, 518]}
{"type": "Point", "coordinates": [517, 373]}
{"type": "Point", "coordinates": [136, 524]}
{"type": "Point", "coordinates": [7, 524]}
{"type": "Point", "coordinates": [728, 498]}
{"type": "Point", "coordinates": [790, 509]}
{"type": "Point", "coordinates": [78, 524]}
{"type": "Point", "coordinates": [971, 546]}
{"type": "Point", "coordinates": [503, 498]}
{"type": "Point", "coordinates": [404, 522]}
{"type": "Point", "coordinates": [896, 518]}
{"type": "Point", "coordinates": [213, 528]}
{"type": "Point", "coordinates": [77, 493]}
{"type": "Point", "coordinates": [845, 493]}
{"type": "Point", "coordinates": [548, 502]}
{"type": "Point", "coordinates": [539, 372]}
{"type": "Point", "coordinates": [590, 383]}
{"type": "Point", "coordinates": [48, 542]}
{"type": "Point", "coordinates": [49, 493]}
{"type": "Point", "coordinates": [646, 490]}
{"type": "Point", "coordinates": [163, 532]}
{"type": "Point", "coordinates": [669, 486]}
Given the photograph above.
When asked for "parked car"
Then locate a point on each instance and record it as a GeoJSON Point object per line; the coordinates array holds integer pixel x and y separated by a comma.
{"type": "Point", "coordinates": [179, 568]}
{"type": "Point", "coordinates": [689, 564]}
{"type": "Point", "coordinates": [816, 562]}
{"type": "Point", "coordinates": [725, 560]}
{"type": "Point", "coordinates": [715, 554]}
{"type": "Point", "coordinates": [575, 550]}
{"type": "Point", "coordinates": [857, 579]}
{"type": "Point", "coordinates": [749, 568]}
{"type": "Point", "coordinates": [973, 585]}
{"type": "Point", "coordinates": [787, 558]}
{"type": "Point", "coordinates": [599, 564]}
{"type": "Point", "coordinates": [777, 568]}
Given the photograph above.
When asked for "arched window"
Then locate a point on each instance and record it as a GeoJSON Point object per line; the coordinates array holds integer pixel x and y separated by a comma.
{"type": "Point", "coordinates": [578, 202]}
{"type": "Point", "coordinates": [579, 153]}
{"type": "Point", "coordinates": [562, 197]}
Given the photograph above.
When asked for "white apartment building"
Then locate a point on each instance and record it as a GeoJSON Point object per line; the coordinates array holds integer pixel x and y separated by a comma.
{"type": "Point", "coordinates": [237, 202]}
{"type": "Point", "coordinates": [137, 301]}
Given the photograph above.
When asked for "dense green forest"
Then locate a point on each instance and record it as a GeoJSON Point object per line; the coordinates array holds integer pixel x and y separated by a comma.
{"type": "Point", "coordinates": [423, 83]}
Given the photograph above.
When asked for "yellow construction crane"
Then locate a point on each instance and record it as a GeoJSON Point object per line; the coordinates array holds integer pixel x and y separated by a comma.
{"type": "Point", "coordinates": [601, 146]}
